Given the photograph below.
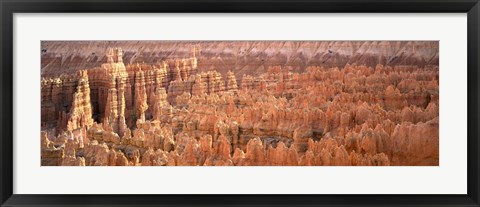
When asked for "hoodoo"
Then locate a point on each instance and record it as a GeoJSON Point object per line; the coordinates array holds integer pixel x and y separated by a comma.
{"type": "Point", "coordinates": [240, 103]}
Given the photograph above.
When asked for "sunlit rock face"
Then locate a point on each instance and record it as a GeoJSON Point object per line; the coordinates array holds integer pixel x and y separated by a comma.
{"type": "Point", "coordinates": [176, 103]}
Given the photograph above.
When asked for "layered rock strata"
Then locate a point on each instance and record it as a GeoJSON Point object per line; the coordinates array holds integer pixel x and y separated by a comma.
{"type": "Point", "coordinates": [171, 113]}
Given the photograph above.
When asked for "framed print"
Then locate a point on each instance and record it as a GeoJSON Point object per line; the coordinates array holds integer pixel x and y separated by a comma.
{"type": "Point", "coordinates": [200, 103]}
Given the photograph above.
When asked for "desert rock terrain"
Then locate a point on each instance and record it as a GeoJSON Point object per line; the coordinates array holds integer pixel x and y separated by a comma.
{"type": "Point", "coordinates": [239, 103]}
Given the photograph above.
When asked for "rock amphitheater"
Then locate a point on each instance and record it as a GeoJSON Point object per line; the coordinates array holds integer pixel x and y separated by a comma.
{"type": "Point", "coordinates": [239, 103]}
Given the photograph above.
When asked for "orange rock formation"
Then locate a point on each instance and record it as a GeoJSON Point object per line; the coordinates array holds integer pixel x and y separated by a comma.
{"type": "Point", "coordinates": [183, 111]}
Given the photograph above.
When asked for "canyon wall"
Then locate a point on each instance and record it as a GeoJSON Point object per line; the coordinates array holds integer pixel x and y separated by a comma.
{"type": "Point", "coordinates": [242, 57]}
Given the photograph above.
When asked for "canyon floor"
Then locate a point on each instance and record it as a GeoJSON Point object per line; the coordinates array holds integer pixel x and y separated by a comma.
{"type": "Point", "coordinates": [239, 103]}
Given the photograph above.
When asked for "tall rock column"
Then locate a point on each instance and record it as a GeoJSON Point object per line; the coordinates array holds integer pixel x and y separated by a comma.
{"type": "Point", "coordinates": [177, 72]}
{"type": "Point", "coordinates": [81, 110]}
{"type": "Point", "coordinates": [119, 55]}
{"type": "Point", "coordinates": [184, 69]}
{"type": "Point", "coordinates": [122, 125]}
{"type": "Point", "coordinates": [194, 59]}
{"type": "Point", "coordinates": [116, 75]}
{"type": "Point", "coordinates": [140, 96]}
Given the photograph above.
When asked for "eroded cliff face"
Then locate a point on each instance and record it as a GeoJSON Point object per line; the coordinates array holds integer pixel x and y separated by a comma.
{"type": "Point", "coordinates": [242, 57]}
{"type": "Point", "coordinates": [200, 108]}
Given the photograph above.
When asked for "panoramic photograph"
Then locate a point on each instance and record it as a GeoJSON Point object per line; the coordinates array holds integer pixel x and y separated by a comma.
{"type": "Point", "coordinates": [239, 103]}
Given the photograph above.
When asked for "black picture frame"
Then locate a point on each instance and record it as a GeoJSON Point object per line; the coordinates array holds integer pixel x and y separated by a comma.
{"type": "Point", "coordinates": [9, 7]}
